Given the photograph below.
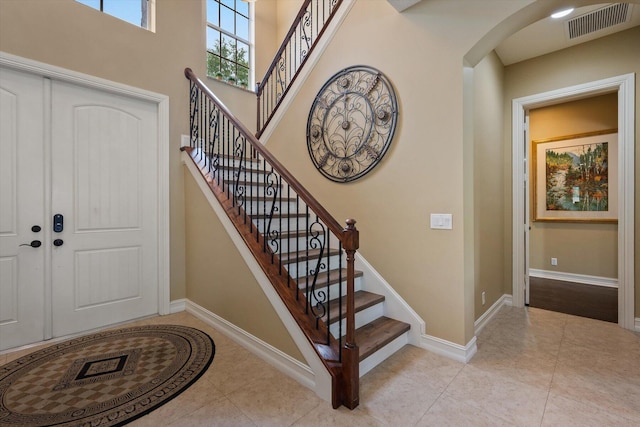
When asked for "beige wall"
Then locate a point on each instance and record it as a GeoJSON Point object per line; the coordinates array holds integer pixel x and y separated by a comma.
{"type": "Point", "coordinates": [607, 57]}
{"type": "Point", "coordinates": [220, 280]}
{"type": "Point", "coordinates": [287, 11]}
{"type": "Point", "coordinates": [489, 178]}
{"type": "Point", "coordinates": [422, 173]}
{"type": "Point", "coordinates": [581, 248]}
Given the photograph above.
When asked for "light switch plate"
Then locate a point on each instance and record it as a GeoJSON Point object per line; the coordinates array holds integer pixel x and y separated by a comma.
{"type": "Point", "coordinates": [442, 221]}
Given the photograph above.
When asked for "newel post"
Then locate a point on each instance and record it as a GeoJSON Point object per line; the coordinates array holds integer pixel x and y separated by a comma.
{"type": "Point", "coordinates": [350, 351]}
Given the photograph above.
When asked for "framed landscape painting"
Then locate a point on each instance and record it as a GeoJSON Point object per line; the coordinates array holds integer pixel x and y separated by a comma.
{"type": "Point", "coordinates": [576, 178]}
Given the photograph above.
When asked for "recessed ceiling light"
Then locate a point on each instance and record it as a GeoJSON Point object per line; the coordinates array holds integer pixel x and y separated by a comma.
{"type": "Point", "coordinates": [562, 13]}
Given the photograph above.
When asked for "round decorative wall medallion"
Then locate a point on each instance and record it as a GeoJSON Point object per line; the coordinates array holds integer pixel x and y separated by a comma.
{"type": "Point", "coordinates": [351, 123]}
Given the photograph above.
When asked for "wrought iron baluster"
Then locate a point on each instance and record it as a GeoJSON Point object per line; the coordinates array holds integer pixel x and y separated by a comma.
{"type": "Point", "coordinates": [192, 114]}
{"type": "Point", "coordinates": [225, 172]}
{"type": "Point", "coordinates": [297, 247]}
{"type": "Point", "coordinates": [306, 275]}
{"type": "Point", "coordinates": [280, 228]}
{"type": "Point", "coordinates": [317, 242]}
{"type": "Point", "coordinates": [340, 292]}
{"type": "Point", "coordinates": [272, 191]}
{"type": "Point", "coordinates": [213, 139]}
{"type": "Point", "coordinates": [327, 241]}
{"type": "Point", "coordinates": [240, 186]}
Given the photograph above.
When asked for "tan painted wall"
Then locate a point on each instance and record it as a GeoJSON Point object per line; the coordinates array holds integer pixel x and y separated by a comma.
{"type": "Point", "coordinates": [489, 179]}
{"type": "Point", "coordinates": [581, 248]}
{"type": "Point", "coordinates": [220, 280]}
{"type": "Point", "coordinates": [422, 173]}
{"type": "Point", "coordinates": [607, 57]}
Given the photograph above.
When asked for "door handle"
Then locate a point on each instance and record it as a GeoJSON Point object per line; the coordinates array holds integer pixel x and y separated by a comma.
{"type": "Point", "coordinates": [58, 242]}
{"type": "Point", "coordinates": [33, 244]}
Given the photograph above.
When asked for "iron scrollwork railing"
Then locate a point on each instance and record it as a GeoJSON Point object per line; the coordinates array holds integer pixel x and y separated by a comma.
{"type": "Point", "coordinates": [306, 30]}
{"type": "Point", "coordinates": [301, 246]}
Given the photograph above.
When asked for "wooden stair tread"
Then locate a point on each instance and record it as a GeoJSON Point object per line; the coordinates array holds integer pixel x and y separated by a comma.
{"type": "Point", "coordinates": [327, 278]}
{"type": "Point", "coordinates": [375, 335]}
{"type": "Point", "coordinates": [362, 301]}
{"type": "Point", "coordinates": [291, 257]}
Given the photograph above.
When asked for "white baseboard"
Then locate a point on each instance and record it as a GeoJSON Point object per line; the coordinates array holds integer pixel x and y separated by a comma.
{"type": "Point", "coordinates": [464, 353]}
{"type": "Point", "coordinates": [491, 312]}
{"type": "Point", "coordinates": [382, 354]}
{"type": "Point", "coordinates": [281, 361]}
{"type": "Point", "coordinates": [449, 349]}
{"type": "Point", "coordinates": [609, 282]}
{"type": "Point", "coordinates": [637, 324]}
{"type": "Point", "coordinates": [177, 306]}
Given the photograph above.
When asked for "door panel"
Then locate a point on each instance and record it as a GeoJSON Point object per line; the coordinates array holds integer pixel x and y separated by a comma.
{"type": "Point", "coordinates": [21, 207]}
{"type": "Point", "coordinates": [107, 197]}
{"type": "Point", "coordinates": [104, 169]}
{"type": "Point", "coordinates": [107, 275]}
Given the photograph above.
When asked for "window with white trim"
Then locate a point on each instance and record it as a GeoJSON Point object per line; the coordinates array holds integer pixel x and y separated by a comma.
{"type": "Point", "coordinates": [229, 47]}
{"type": "Point", "coordinates": [136, 12]}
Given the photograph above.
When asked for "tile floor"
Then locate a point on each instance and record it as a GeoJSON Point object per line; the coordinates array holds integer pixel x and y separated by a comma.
{"type": "Point", "coordinates": [533, 368]}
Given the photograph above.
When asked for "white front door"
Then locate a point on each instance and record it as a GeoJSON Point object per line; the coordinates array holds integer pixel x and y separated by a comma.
{"type": "Point", "coordinates": [21, 209]}
{"type": "Point", "coordinates": [91, 158]}
{"type": "Point", "coordinates": [104, 160]}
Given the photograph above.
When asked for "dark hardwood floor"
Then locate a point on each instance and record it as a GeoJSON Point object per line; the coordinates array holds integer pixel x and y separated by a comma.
{"type": "Point", "coordinates": [596, 302]}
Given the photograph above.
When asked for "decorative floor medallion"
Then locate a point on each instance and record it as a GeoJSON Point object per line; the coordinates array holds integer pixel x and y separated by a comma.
{"type": "Point", "coordinates": [105, 379]}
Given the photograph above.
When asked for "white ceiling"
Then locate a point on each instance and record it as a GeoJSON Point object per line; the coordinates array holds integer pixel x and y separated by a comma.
{"type": "Point", "coordinates": [548, 35]}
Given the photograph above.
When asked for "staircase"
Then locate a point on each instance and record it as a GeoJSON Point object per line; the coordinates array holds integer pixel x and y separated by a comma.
{"type": "Point", "coordinates": [300, 253]}
{"type": "Point", "coordinates": [308, 257]}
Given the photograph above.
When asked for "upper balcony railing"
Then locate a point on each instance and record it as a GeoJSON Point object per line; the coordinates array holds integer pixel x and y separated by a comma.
{"type": "Point", "coordinates": [307, 28]}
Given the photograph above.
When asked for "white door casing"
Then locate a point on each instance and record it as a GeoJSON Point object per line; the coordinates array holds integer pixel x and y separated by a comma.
{"type": "Point", "coordinates": [104, 246]}
{"type": "Point", "coordinates": [625, 87]}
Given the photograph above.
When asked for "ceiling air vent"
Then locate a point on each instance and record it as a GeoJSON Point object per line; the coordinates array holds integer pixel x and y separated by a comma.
{"type": "Point", "coordinates": [608, 16]}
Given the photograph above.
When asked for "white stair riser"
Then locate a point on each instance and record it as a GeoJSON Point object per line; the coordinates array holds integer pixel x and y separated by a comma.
{"type": "Point", "coordinates": [382, 354]}
{"type": "Point", "coordinates": [363, 317]}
